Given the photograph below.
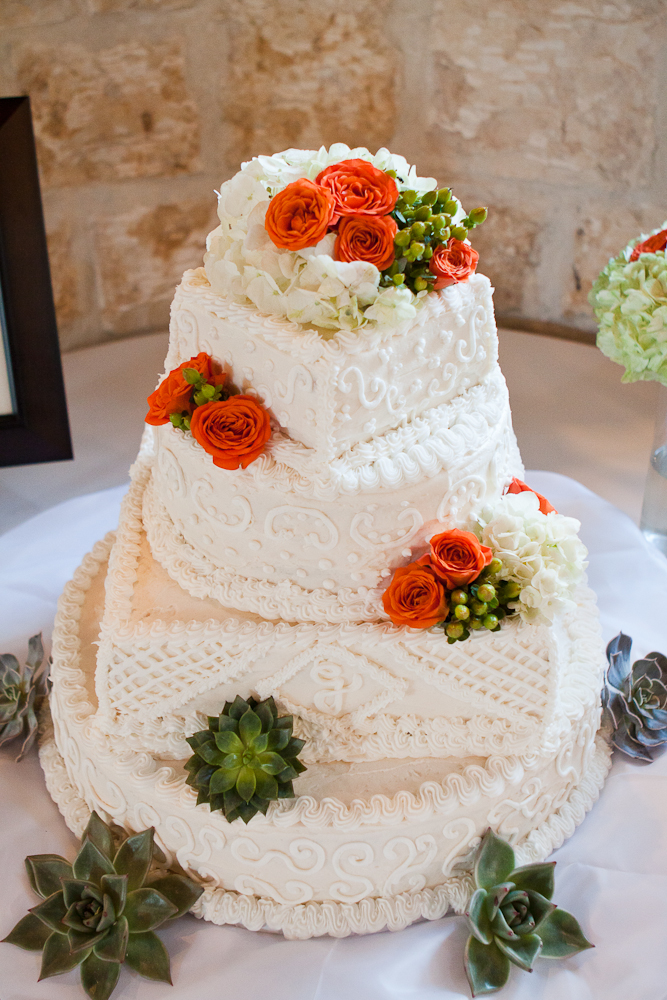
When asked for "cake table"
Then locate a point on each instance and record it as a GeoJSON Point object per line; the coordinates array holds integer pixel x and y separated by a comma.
{"type": "Point", "coordinates": [612, 873]}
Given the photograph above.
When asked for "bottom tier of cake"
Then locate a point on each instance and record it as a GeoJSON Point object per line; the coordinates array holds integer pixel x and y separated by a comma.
{"type": "Point", "coordinates": [363, 846]}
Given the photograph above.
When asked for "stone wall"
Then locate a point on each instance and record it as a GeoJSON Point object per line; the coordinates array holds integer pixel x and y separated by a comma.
{"type": "Point", "coordinates": [552, 113]}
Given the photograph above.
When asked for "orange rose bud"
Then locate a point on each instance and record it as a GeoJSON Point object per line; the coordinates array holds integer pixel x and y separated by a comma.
{"type": "Point", "coordinates": [452, 262]}
{"type": "Point", "coordinates": [415, 597]}
{"type": "Point", "coordinates": [299, 215]}
{"type": "Point", "coordinates": [359, 188]}
{"type": "Point", "coordinates": [457, 557]}
{"type": "Point", "coordinates": [516, 486]}
{"type": "Point", "coordinates": [234, 431]}
{"type": "Point", "coordinates": [173, 393]}
{"type": "Point", "coordinates": [653, 243]}
{"type": "Point", "coordinates": [369, 238]}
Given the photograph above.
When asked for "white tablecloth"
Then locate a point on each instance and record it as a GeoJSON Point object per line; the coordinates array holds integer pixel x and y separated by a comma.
{"type": "Point", "coordinates": [612, 874]}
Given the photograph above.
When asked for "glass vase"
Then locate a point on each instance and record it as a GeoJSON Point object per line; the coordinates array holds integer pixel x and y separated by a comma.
{"type": "Point", "coordinates": [654, 510]}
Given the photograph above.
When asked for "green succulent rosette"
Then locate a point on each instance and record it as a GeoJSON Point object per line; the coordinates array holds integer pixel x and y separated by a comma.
{"type": "Point", "coordinates": [634, 700]}
{"type": "Point", "coordinates": [22, 689]}
{"type": "Point", "coordinates": [512, 918]}
{"type": "Point", "coordinates": [102, 910]}
{"type": "Point", "coordinates": [629, 299]}
{"type": "Point", "coordinates": [246, 759]}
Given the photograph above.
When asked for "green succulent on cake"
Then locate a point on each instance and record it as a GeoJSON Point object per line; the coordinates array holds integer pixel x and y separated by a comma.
{"type": "Point", "coordinates": [512, 918]}
{"type": "Point", "coordinates": [102, 910]}
{"type": "Point", "coordinates": [22, 688]}
{"type": "Point", "coordinates": [246, 759]}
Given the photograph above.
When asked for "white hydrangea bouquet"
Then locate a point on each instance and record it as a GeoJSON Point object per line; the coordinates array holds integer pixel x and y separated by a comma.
{"type": "Point", "coordinates": [630, 302]}
{"type": "Point", "coordinates": [341, 239]}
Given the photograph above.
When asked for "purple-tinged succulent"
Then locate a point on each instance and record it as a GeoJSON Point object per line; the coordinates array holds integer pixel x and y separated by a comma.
{"type": "Point", "coordinates": [21, 691]}
{"type": "Point", "coordinates": [634, 699]}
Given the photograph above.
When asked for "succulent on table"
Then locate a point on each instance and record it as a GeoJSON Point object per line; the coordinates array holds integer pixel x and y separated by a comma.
{"type": "Point", "coordinates": [21, 691]}
{"type": "Point", "coordinates": [512, 918]}
{"type": "Point", "coordinates": [102, 910]}
{"type": "Point", "coordinates": [634, 700]}
{"type": "Point", "coordinates": [246, 759]}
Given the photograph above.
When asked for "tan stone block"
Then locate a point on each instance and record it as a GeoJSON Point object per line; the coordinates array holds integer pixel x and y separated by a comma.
{"type": "Point", "coordinates": [121, 112]}
{"type": "Point", "coordinates": [22, 13]}
{"type": "Point", "coordinates": [107, 6]}
{"type": "Point", "coordinates": [601, 234]}
{"type": "Point", "coordinates": [64, 274]}
{"type": "Point", "coordinates": [507, 244]}
{"type": "Point", "coordinates": [563, 91]}
{"type": "Point", "coordinates": [325, 73]}
{"type": "Point", "coordinates": [141, 256]}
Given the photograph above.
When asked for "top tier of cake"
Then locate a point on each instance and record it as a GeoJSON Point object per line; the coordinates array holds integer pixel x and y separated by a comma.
{"type": "Point", "coordinates": [330, 395]}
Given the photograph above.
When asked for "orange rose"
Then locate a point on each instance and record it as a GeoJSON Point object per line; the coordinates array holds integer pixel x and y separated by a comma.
{"type": "Point", "coordinates": [234, 431]}
{"type": "Point", "coordinates": [457, 557]}
{"type": "Point", "coordinates": [369, 238]}
{"type": "Point", "coordinates": [415, 597]}
{"type": "Point", "coordinates": [173, 393]}
{"type": "Point", "coordinates": [653, 243]}
{"type": "Point", "coordinates": [359, 188]}
{"type": "Point", "coordinates": [452, 262]}
{"type": "Point", "coordinates": [299, 215]}
{"type": "Point", "coordinates": [516, 486]}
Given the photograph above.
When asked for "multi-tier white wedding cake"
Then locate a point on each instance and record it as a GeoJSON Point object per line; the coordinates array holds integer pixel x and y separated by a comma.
{"type": "Point", "coordinates": [327, 511]}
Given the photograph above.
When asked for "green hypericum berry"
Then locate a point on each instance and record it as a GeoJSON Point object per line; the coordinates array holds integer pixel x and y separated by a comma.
{"type": "Point", "coordinates": [417, 230]}
{"type": "Point", "coordinates": [428, 253]}
{"type": "Point", "coordinates": [416, 249]}
{"type": "Point", "coordinates": [176, 419]}
{"type": "Point", "coordinates": [430, 198]}
{"type": "Point", "coordinates": [451, 207]}
{"type": "Point", "coordinates": [420, 284]}
{"type": "Point", "coordinates": [423, 213]}
{"type": "Point", "coordinates": [438, 223]}
{"type": "Point", "coordinates": [490, 622]}
{"type": "Point", "coordinates": [475, 623]}
{"type": "Point", "coordinates": [478, 216]}
{"type": "Point", "coordinates": [192, 376]}
{"type": "Point", "coordinates": [459, 232]}
{"type": "Point", "coordinates": [459, 597]}
{"type": "Point", "coordinates": [479, 608]}
{"type": "Point", "coordinates": [444, 195]}
{"type": "Point", "coordinates": [409, 197]}
{"type": "Point", "coordinates": [455, 630]}
{"type": "Point", "coordinates": [510, 591]}
{"type": "Point", "coordinates": [495, 566]}
{"type": "Point", "coordinates": [398, 279]}
{"type": "Point", "coordinates": [402, 238]}
{"type": "Point", "coordinates": [486, 592]}
{"type": "Point", "coordinates": [462, 612]}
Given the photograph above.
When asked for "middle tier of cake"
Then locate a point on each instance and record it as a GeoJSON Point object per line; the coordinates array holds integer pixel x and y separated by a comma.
{"type": "Point", "coordinates": [358, 692]}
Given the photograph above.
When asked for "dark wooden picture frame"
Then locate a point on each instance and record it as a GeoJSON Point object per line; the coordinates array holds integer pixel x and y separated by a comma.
{"type": "Point", "coordinates": [37, 429]}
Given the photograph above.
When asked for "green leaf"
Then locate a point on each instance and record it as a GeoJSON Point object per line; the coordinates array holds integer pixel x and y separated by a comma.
{"type": "Point", "coordinates": [523, 951]}
{"type": "Point", "coordinates": [179, 890]}
{"type": "Point", "coordinates": [100, 834]}
{"type": "Point", "coordinates": [72, 889]}
{"type": "Point", "coordinates": [561, 935]}
{"type": "Point", "coordinates": [494, 861]}
{"type": "Point", "coordinates": [146, 909]}
{"type": "Point", "coordinates": [57, 958]}
{"type": "Point", "coordinates": [538, 878]}
{"type": "Point", "coordinates": [487, 968]}
{"type": "Point", "coordinates": [30, 933]}
{"type": "Point", "coordinates": [52, 911]}
{"type": "Point", "coordinates": [277, 739]}
{"type": "Point", "coordinates": [249, 727]}
{"type": "Point", "coordinates": [272, 763]}
{"type": "Point", "coordinates": [45, 872]}
{"type": "Point", "coordinates": [99, 978]}
{"type": "Point", "coordinates": [116, 887]}
{"type": "Point", "coordinates": [79, 941]}
{"type": "Point", "coordinates": [90, 864]}
{"type": "Point", "coordinates": [540, 906]}
{"type": "Point", "coordinates": [134, 858]}
{"type": "Point", "coordinates": [148, 956]}
{"type": "Point", "coordinates": [112, 948]}
{"type": "Point", "coordinates": [265, 716]}
{"type": "Point", "coordinates": [246, 783]}
{"type": "Point", "coordinates": [501, 928]}
{"type": "Point", "coordinates": [227, 742]}
{"type": "Point", "coordinates": [222, 780]}
{"type": "Point", "coordinates": [478, 918]}
{"type": "Point", "coordinates": [266, 786]}
{"type": "Point", "coordinates": [496, 896]}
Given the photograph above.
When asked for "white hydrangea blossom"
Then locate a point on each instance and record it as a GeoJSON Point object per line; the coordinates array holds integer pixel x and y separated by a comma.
{"type": "Point", "coordinates": [306, 286]}
{"type": "Point", "coordinates": [541, 552]}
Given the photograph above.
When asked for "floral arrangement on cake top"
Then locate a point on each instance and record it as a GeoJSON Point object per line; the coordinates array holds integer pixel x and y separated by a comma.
{"type": "Point", "coordinates": [232, 427]}
{"type": "Point", "coordinates": [522, 558]}
{"type": "Point", "coordinates": [630, 302]}
{"type": "Point", "coordinates": [338, 238]}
